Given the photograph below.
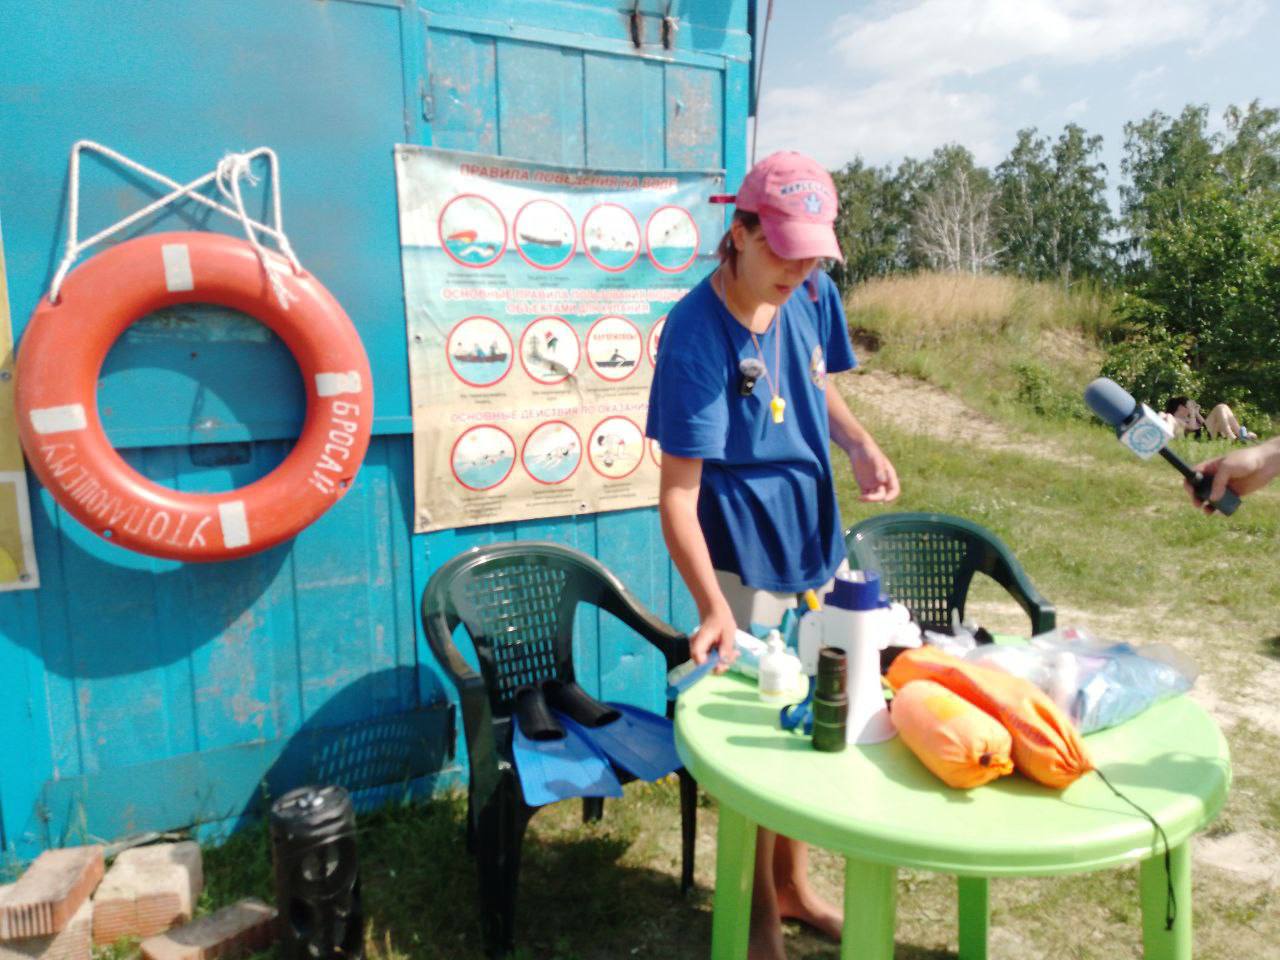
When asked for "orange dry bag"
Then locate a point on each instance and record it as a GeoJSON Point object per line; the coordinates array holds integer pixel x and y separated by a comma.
{"type": "Point", "coordinates": [961, 744]}
{"type": "Point", "coordinates": [1046, 747]}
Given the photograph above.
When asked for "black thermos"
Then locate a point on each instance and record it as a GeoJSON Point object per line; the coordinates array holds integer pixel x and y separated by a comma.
{"type": "Point", "coordinates": [313, 842]}
{"type": "Point", "coordinates": [830, 701]}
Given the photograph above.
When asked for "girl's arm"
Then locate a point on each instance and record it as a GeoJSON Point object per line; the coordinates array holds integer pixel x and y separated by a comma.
{"type": "Point", "coordinates": [876, 477]}
{"type": "Point", "coordinates": [678, 510]}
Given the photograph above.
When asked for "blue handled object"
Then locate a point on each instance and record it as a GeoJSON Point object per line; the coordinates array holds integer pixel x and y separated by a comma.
{"type": "Point", "coordinates": [681, 678]}
{"type": "Point", "coordinates": [799, 714]}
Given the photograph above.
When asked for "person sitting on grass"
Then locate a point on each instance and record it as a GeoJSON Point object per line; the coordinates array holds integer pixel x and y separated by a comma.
{"type": "Point", "coordinates": [1183, 416]}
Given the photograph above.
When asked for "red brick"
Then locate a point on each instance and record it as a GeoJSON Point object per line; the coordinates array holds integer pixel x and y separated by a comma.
{"type": "Point", "coordinates": [72, 942]}
{"type": "Point", "coordinates": [242, 928]}
{"type": "Point", "coordinates": [147, 891]}
{"type": "Point", "coordinates": [47, 896]}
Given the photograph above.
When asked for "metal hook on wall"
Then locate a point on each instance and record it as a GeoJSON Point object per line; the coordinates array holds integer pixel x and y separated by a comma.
{"type": "Point", "coordinates": [637, 26]}
{"type": "Point", "coordinates": [670, 24]}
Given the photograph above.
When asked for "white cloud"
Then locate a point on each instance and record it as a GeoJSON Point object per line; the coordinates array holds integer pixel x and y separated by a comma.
{"type": "Point", "coordinates": [1076, 108]}
{"type": "Point", "coordinates": [1030, 85]}
{"type": "Point", "coordinates": [1144, 79]}
{"type": "Point", "coordinates": [881, 122]}
{"type": "Point", "coordinates": [940, 38]}
{"type": "Point", "coordinates": [1230, 27]}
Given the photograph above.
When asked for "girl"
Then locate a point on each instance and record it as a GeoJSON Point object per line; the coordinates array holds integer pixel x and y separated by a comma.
{"type": "Point", "coordinates": [741, 409]}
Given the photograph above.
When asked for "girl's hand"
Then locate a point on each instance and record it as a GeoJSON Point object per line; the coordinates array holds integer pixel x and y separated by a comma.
{"type": "Point", "coordinates": [876, 477]}
{"type": "Point", "coordinates": [716, 630]}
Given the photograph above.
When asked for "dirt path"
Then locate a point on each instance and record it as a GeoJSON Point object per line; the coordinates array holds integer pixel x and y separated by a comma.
{"type": "Point", "coordinates": [924, 409]}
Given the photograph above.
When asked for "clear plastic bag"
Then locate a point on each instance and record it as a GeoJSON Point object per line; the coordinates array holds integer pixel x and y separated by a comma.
{"type": "Point", "coordinates": [1097, 683]}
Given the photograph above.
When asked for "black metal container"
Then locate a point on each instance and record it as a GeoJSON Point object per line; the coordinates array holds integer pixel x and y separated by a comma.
{"type": "Point", "coordinates": [831, 701]}
{"type": "Point", "coordinates": [313, 843]}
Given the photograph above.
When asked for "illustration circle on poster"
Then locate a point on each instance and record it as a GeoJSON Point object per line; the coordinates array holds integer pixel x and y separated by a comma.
{"type": "Point", "coordinates": [655, 334]}
{"type": "Point", "coordinates": [615, 447]}
{"type": "Point", "coordinates": [671, 238]}
{"type": "Point", "coordinates": [482, 457]}
{"type": "Point", "coordinates": [611, 237]}
{"type": "Point", "coordinates": [613, 348]}
{"type": "Point", "coordinates": [546, 236]}
{"type": "Point", "coordinates": [552, 453]}
{"type": "Point", "coordinates": [655, 453]}
{"type": "Point", "coordinates": [549, 350]}
{"type": "Point", "coordinates": [472, 230]}
{"type": "Point", "coordinates": [479, 351]}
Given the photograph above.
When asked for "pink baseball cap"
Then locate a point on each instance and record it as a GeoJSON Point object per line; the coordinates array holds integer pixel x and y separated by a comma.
{"type": "Point", "coordinates": [796, 202]}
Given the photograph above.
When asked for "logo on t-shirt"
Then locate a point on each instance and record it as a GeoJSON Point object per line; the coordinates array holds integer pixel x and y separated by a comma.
{"type": "Point", "coordinates": [818, 368]}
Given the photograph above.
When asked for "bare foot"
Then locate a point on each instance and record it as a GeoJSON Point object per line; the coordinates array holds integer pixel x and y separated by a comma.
{"type": "Point", "coordinates": [804, 905]}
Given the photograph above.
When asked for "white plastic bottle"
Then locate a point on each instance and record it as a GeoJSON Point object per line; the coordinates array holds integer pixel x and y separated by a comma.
{"type": "Point", "coordinates": [856, 619]}
{"type": "Point", "coordinates": [779, 672]}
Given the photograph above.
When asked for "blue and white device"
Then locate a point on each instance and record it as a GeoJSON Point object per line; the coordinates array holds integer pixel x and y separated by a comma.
{"type": "Point", "coordinates": [1142, 431]}
{"type": "Point", "coordinates": [1137, 425]}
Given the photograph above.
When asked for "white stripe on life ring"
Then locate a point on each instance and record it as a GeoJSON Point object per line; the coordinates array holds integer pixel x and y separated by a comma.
{"type": "Point", "coordinates": [59, 419]}
{"type": "Point", "coordinates": [177, 267]}
{"type": "Point", "coordinates": [235, 524]}
{"type": "Point", "coordinates": [333, 384]}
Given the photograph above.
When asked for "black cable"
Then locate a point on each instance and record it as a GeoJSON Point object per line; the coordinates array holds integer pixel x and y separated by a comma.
{"type": "Point", "coordinates": [755, 99]}
{"type": "Point", "coordinates": [1171, 901]}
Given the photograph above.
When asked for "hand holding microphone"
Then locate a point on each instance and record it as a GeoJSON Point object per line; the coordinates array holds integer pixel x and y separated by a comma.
{"type": "Point", "coordinates": [1142, 431]}
{"type": "Point", "coordinates": [1245, 470]}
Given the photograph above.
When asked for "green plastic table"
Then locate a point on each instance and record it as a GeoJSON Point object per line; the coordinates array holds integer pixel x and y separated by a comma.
{"type": "Point", "coordinates": [880, 807]}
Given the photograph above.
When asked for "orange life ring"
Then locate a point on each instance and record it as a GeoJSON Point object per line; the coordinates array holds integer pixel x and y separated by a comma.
{"type": "Point", "coordinates": [60, 358]}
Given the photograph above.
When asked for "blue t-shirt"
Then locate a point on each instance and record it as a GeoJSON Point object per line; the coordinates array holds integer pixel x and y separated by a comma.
{"type": "Point", "coordinates": [767, 505]}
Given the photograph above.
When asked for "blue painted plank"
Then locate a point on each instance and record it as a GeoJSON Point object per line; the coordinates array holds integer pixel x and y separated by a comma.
{"type": "Point", "coordinates": [540, 107]}
{"type": "Point", "coordinates": [631, 667]}
{"type": "Point", "coordinates": [624, 112]}
{"type": "Point", "coordinates": [24, 748]}
{"type": "Point", "coordinates": [226, 784]}
{"type": "Point", "coordinates": [695, 125]}
{"type": "Point", "coordinates": [709, 30]}
{"type": "Point", "coordinates": [464, 92]}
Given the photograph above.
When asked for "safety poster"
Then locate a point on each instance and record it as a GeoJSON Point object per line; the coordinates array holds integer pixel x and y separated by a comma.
{"type": "Point", "coordinates": [535, 299]}
{"type": "Point", "coordinates": [17, 548]}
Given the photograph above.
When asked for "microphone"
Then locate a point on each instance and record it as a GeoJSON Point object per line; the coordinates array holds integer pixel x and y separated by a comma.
{"type": "Point", "coordinates": [1142, 431]}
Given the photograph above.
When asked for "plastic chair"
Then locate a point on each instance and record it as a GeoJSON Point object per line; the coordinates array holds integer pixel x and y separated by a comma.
{"type": "Point", "coordinates": [517, 601]}
{"type": "Point", "coordinates": [927, 562]}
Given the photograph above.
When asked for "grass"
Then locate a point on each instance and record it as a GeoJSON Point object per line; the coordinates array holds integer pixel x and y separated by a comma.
{"type": "Point", "coordinates": [1109, 539]}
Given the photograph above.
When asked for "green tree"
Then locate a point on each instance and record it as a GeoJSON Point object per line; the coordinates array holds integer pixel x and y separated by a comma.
{"type": "Point", "coordinates": [871, 225]}
{"type": "Point", "coordinates": [1214, 283]}
{"type": "Point", "coordinates": [1053, 218]}
{"type": "Point", "coordinates": [953, 203]}
{"type": "Point", "coordinates": [1024, 181]}
{"type": "Point", "coordinates": [1167, 161]}
{"type": "Point", "coordinates": [1251, 153]}
{"type": "Point", "coordinates": [1203, 213]}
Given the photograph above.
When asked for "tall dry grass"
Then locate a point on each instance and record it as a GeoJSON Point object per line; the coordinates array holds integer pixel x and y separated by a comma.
{"type": "Point", "coordinates": [924, 309]}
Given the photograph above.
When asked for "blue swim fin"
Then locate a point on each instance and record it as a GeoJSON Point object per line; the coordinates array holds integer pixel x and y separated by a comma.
{"type": "Point", "coordinates": [553, 770]}
{"type": "Point", "coordinates": [640, 742]}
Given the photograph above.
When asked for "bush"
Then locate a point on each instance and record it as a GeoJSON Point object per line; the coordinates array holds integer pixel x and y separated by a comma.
{"type": "Point", "coordinates": [1152, 365]}
{"type": "Point", "coordinates": [1213, 283]}
{"type": "Point", "coordinates": [1038, 390]}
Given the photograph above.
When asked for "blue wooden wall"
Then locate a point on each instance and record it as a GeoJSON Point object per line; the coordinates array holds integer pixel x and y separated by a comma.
{"type": "Point", "coordinates": [141, 694]}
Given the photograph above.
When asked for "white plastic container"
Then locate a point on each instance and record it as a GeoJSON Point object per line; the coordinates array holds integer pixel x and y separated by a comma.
{"type": "Point", "coordinates": [856, 619]}
{"type": "Point", "coordinates": [779, 672]}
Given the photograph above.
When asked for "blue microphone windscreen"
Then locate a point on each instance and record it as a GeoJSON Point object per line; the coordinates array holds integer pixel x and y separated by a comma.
{"type": "Point", "coordinates": [1110, 401]}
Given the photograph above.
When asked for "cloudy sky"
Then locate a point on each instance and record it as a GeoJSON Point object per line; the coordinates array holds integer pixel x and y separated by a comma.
{"type": "Point", "coordinates": [886, 79]}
